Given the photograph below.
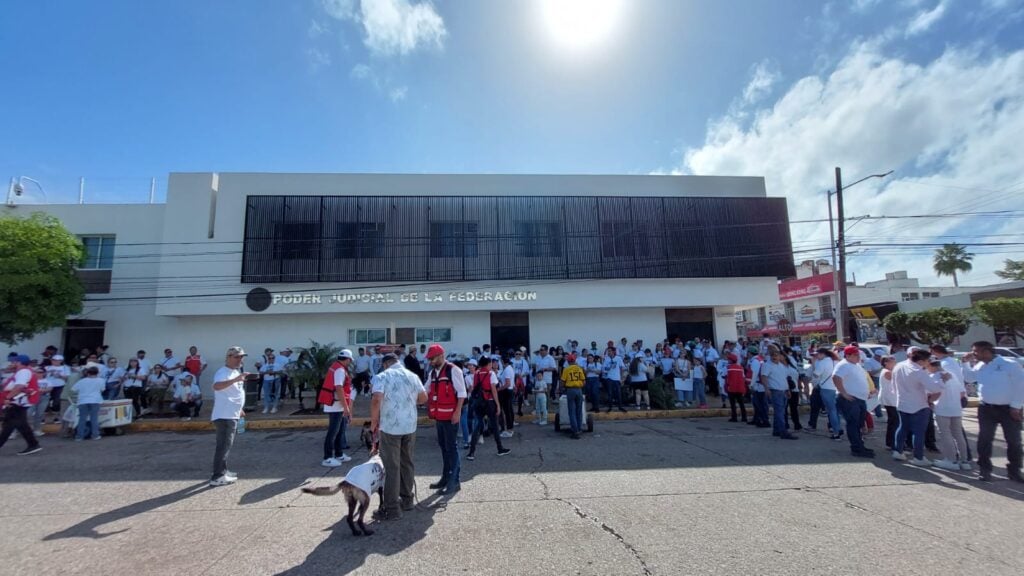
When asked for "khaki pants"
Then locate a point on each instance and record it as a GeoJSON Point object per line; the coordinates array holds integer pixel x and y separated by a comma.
{"type": "Point", "coordinates": [396, 452]}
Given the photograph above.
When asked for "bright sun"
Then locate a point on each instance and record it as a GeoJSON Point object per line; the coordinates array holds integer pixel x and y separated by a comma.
{"type": "Point", "coordinates": [581, 24]}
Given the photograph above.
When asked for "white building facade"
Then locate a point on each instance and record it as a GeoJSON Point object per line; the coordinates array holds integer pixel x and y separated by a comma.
{"type": "Point", "coordinates": [275, 260]}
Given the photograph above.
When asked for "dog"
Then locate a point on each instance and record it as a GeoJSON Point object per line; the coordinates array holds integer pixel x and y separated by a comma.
{"type": "Point", "coordinates": [366, 436]}
{"type": "Point", "coordinates": [358, 487]}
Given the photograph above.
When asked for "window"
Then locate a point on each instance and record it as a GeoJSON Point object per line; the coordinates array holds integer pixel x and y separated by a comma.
{"type": "Point", "coordinates": [908, 296]}
{"type": "Point", "coordinates": [762, 317]}
{"type": "Point", "coordinates": [429, 335]}
{"type": "Point", "coordinates": [297, 241]}
{"type": "Point", "coordinates": [538, 239]}
{"type": "Point", "coordinates": [368, 336]}
{"type": "Point", "coordinates": [99, 252]}
{"type": "Point", "coordinates": [616, 239]}
{"type": "Point", "coordinates": [929, 294]}
{"type": "Point", "coordinates": [359, 240]}
{"type": "Point", "coordinates": [449, 239]}
{"type": "Point", "coordinates": [825, 307]}
{"type": "Point", "coordinates": [790, 308]}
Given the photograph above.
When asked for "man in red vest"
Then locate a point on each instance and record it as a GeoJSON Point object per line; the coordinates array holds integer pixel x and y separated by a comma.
{"type": "Point", "coordinates": [446, 392]}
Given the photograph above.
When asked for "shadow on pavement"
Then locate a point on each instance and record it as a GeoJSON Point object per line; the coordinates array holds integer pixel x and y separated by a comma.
{"type": "Point", "coordinates": [89, 528]}
{"type": "Point", "coordinates": [341, 552]}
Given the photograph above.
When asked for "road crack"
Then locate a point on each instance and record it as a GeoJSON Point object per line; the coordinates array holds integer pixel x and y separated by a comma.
{"type": "Point", "coordinates": [610, 530]}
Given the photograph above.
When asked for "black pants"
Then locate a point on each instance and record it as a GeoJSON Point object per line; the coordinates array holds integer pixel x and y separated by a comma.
{"type": "Point", "coordinates": [816, 406]}
{"type": "Point", "coordinates": [55, 398]}
{"type": "Point", "coordinates": [134, 393]}
{"type": "Point", "coordinates": [794, 408]}
{"type": "Point", "coordinates": [712, 377]}
{"type": "Point", "coordinates": [929, 435]}
{"type": "Point", "coordinates": [989, 416]}
{"type": "Point", "coordinates": [16, 418]}
{"type": "Point", "coordinates": [892, 422]}
{"type": "Point", "coordinates": [505, 398]}
{"type": "Point", "coordinates": [485, 408]}
{"type": "Point", "coordinates": [187, 409]}
{"type": "Point", "coordinates": [736, 398]}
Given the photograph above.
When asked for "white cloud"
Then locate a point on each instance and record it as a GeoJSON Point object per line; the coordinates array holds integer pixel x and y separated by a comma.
{"type": "Point", "coordinates": [316, 29]}
{"type": "Point", "coordinates": [317, 59]}
{"type": "Point", "coordinates": [763, 78]}
{"type": "Point", "coordinates": [950, 128]}
{"type": "Point", "coordinates": [926, 19]}
{"type": "Point", "coordinates": [398, 94]}
{"type": "Point", "coordinates": [392, 27]}
{"type": "Point", "coordinates": [382, 83]}
{"type": "Point", "coordinates": [361, 72]}
{"type": "Point", "coordinates": [862, 6]}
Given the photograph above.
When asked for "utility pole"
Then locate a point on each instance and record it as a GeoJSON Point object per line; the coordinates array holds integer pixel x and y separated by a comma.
{"type": "Point", "coordinates": [840, 329]}
{"type": "Point", "coordinates": [844, 309]}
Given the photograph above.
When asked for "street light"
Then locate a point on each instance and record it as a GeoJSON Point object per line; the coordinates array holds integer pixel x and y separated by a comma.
{"type": "Point", "coordinates": [840, 244]}
{"type": "Point", "coordinates": [17, 188]}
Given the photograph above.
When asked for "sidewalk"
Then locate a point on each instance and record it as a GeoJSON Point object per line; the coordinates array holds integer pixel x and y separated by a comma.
{"type": "Point", "coordinates": [286, 419]}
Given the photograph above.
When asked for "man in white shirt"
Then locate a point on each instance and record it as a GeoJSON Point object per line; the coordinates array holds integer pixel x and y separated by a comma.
{"type": "Point", "coordinates": [1001, 389]}
{"type": "Point", "coordinates": [613, 371]}
{"type": "Point", "coordinates": [282, 362]}
{"type": "Point", "coordinates": [363, 365]}
{"type": "Point", "coordinates": [758, 391]}
{"type": "Point", "coordinates": [915, 388]}
{"type": "Point", "coordinates": [851, 382]}
{"type": "Point", "coordinates": [506, 397]}
{"type": "Point", "coordinates": [172, 366]}
{"type": "Point", "coordinates": [377, 361]}
{"type": "Point", "coordinates": [144, 365]}
{"type": "Point", "coordinates": [228, 399]}
{"type": "Point", "coordinates": [396, 393]}
{"type": "Point", "coordinates": [773, 378]}
{"type": "Point", "coordinates": [16, 405]}
{"type": "Point", "coordinates": [57, 373]}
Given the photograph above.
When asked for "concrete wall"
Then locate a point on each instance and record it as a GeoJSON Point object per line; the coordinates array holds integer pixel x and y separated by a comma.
{"type": "Point", "coordinates": [554, 327]}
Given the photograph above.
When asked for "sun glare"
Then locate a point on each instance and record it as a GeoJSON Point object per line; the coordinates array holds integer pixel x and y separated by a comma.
{"type": "Point", "coordinates": [581, 24]}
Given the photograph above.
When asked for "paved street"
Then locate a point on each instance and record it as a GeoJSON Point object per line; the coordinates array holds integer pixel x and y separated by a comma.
{"type": "Point", "coordinates": [637, 497]}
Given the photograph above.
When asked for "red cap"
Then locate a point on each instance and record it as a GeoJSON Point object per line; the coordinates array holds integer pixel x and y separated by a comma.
{"type": "Point", "coordinates": [435, 350]}
{"type": "Point", "coordinates": [849, 350]}
{"type": "Point", "coordinates": [570, 357]}
{"type": "Point", "coordinates": [732, 358]}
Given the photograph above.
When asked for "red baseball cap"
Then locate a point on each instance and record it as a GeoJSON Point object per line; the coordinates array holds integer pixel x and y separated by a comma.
{"type": "Point", "coordinates": [849, 350]}
{"type": "Point", "coordinates": [435, 350]}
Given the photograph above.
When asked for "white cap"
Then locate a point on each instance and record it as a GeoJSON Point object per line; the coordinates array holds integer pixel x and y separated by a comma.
{"type": "Point", "coordinates": [345, 353]}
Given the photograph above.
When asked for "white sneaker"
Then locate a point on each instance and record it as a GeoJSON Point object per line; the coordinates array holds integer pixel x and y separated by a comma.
{"type": "Point", "coordinates": [506, 434]}
{"type": "Point", "coordinates": [331, 463]}
{"type": "Point", "coordinates": [223, 481]}
{"type": "Point", "coordinates": [273, 410]}
{"type": "Point", "coordinates": [231, 474]}
{"type": "Point", "coordinates": [344, 458]}
{"type": "Point", "coordinates": [898, 456]}
{"type": "Point", "coordinates": [966, 466]}
{"type": "Point", "coordinates": [40, 433]}
{"type": "Point", "coordinates": [543, 422]}
{"type": "Point", "coordinates": [946, 465]}
{"type": "Point", "coordinates": [921, 462]}
{"type": "Point", "coordinates": [264, 410]}
{"type": "Point", "coordinates": [481, 440]}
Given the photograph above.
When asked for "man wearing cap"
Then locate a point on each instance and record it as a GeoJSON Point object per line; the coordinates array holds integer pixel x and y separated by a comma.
{"type": "Point", "coordinates": [851, 382]}
{"type": "Point", "coordinates": [336, 398]}
{"type": "Point", "coordinates": [228, 399]}
{"type": "Point", "coordinates": [396, 393]}
{"type": "Point", "coordinates": [16, 405]}
{"type": "Point", "coordinates": [446, 393]}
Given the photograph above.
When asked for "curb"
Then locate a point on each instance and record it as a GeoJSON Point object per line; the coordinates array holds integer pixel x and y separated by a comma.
{"type": "Point", "coordinates": [318, 422]}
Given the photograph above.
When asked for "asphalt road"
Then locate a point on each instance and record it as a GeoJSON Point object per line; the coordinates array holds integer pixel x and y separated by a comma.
{"type": "Point", "coordinates": [636, 497]}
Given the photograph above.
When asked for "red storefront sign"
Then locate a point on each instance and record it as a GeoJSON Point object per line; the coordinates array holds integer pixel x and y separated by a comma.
{"type": "Point", "coordinates": [811, 327]}
{"type": "Point", "coordinates": [806, 287]}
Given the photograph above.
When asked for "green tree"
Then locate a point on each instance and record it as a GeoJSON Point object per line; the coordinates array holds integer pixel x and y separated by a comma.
{"type": "Point", "coordinates": [310, 369]}
{"type": "Point", "coordinates": [1002, 314]}
{"type": "Point", "coordinates": [950, 259]}
{"type": "Point", "coordinates": [1012, 270]}
{"type": "Point", "coordinates": [38, 285]}
{"type": "Point", "coordinates": [938, 325]}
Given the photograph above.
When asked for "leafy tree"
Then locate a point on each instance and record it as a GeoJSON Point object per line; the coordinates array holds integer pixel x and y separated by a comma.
{"type": "Point", "coordinates": [1002, 314]}
{"type": "Point", "coordinates": [938, 325]}
{"type": "Point", "coordinates": [950, 259]}
{"type": "Point", "coordinates": [311, 367]}
{"type": "Point", "coordinates": [38, 286]}
{"type": "Point", "coordinates": [1012, 270]}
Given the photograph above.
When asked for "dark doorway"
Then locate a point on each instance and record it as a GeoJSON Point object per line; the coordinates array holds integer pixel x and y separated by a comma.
{"type": "Point", "coordinates": [509, 330]}
{"type": "Point", "coordinates": [80, 334]}
{"type": "Point", "coordinates": [689, 323]}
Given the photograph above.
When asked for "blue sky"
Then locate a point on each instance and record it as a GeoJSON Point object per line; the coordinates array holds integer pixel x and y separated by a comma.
{"type": "Point", "coordinates": [122, 91]}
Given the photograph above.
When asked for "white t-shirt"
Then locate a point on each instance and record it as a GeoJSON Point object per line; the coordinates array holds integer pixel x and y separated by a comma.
{"type": "Point", "coordinates": [90, 390]}
{"type": "Point", "coordinates": [544, 362]}
{"type": "Point", "coordinates": [948, 403]}
{"type": "Point", "coordinates": [823, 370]}
{"type": "Point", "coordinates": [172, 361]}
{"type": "Point", "coordinates": [228, 403]}
{"type": "Point", "coordinates": [641, 370]}
{"type": "Point", "coordinates": [363, 364]}
{"type": "Point", "coordinates": [53, 371]}
{"type": "Point", "coordinates": [400, 388]}
{"type": "Point", "coordinates": [613, 368]}
{"type": "Point", "coordinates": [508, 375]}
{"type": "Point", "coordinates": [855, 379]}
{"type": "Point", "coordinates": [130, 380]}
{"type": "Point", "coordinates": [339, 384]}
{"type": "Point", "coordinates": [887, 390]}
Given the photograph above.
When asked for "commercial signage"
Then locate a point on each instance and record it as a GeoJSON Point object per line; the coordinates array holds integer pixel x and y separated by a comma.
{"type": "Point", "coordinates": [806, 287]}
{"type": "Point", "coordinates": [355, 299]}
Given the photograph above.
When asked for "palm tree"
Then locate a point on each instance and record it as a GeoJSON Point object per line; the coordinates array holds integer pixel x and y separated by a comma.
{"type": "Point", "coordinates": [309, 371]}
{"type": "Point", "coordinates": [950, 259]}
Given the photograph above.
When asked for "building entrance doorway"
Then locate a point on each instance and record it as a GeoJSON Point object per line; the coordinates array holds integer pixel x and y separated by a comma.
{"type": "Point", "coordinates": [509, 330]}
{"type": "Point", "coordinates": [689, 323]}
{"type": "Point", "coordinates": [80, 334]}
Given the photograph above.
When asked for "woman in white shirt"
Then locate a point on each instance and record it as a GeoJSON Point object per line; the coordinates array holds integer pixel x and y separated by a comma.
{"type": "Point", "coordinates": [115, 379]}
{"type": "Point", "coordinates": [887, 398]}
{"type": "Point", "coordinates": [90, 391]}
{"type": "Point", "coordinates": [134, 378]}
{"type": "Point", "coordinates": [157, 384]}
{"type": "Point", "coordinates": [593, 384]}
{"type": "Point", "coordinates": [681, 371]}
{"type": "Point", "coordinates": [824, 390]}
{"type": "Point", "coordinates": [949, 411]}
{"type": "Point", "coordinates": [638, 380]}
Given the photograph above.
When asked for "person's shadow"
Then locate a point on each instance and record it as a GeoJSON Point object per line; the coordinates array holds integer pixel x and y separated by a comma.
{"type": "Point", "coordinates": [89, 528]}
{"type": "Point", "coordinates": [341, 552]}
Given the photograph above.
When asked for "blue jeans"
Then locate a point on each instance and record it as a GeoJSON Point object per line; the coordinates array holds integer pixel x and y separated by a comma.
{"type": "Point", "coordinates": [614, 388]}
{"type": "Point", "coordinates": [88, 420]}
{"type": "Point", "coordinates": [334, 442]}
{"type": "Point", "coordinates": [699, 393]}
{"type": "Point", "coordinates": [449, 453]}
{"type": "Point", "coordinates": [465, 426]}
{"type": "Point", "coordinates": [779, 403]}
{"type": "Point", "coordinates": [575, 398]}
{"type": "Point", "coordinates": [916, 424]}
{"type": "Point", "coordinates": [760, 402]}
{"type": "Point", "coordinates": [540, 406]}
{"type": "Point", "coordinates": [593, 388]}
{"type": "Point", "coordinates": [854, 411]}
{"type": "Point", "coordinates": [828, 399]}
{"type": "Point", "coordinates": [270, 394]}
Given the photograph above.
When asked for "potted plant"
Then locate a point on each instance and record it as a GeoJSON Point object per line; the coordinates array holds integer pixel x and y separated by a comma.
{"type": "Point", "coordinates": [310, 369]}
